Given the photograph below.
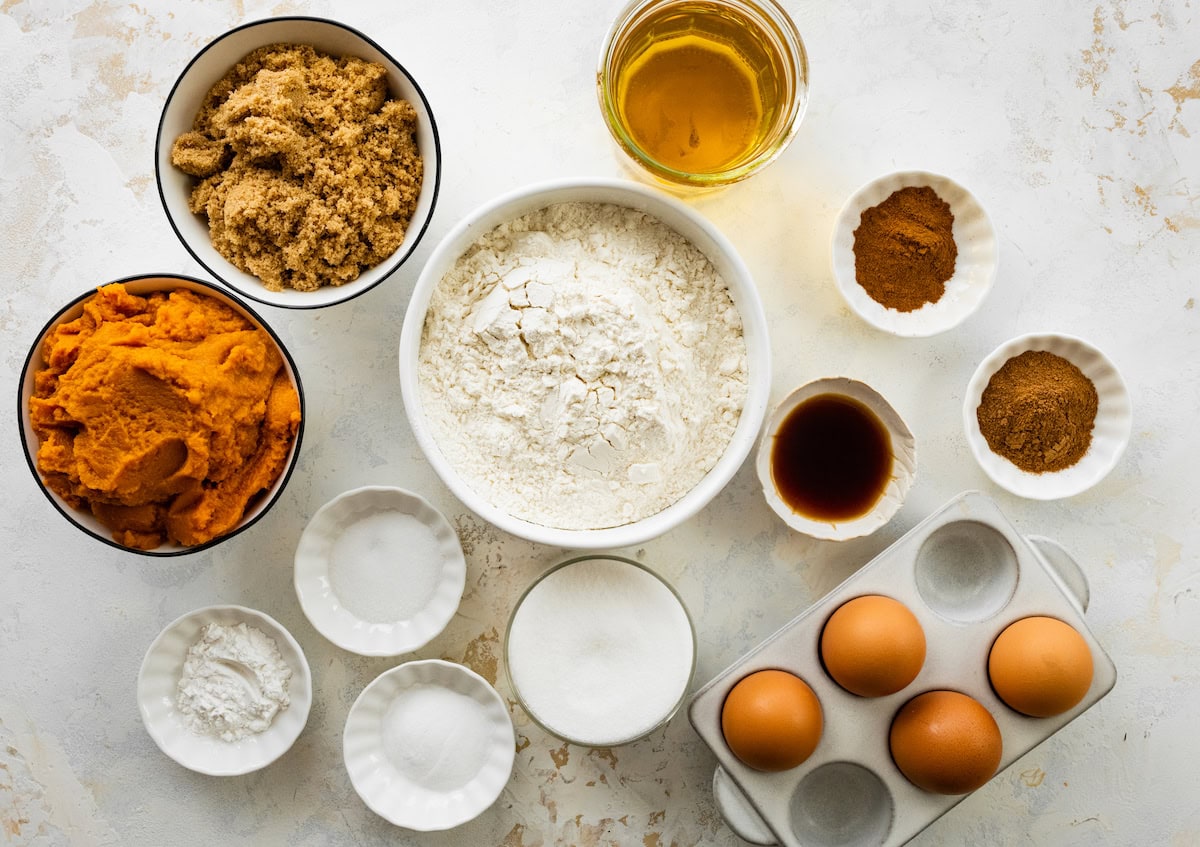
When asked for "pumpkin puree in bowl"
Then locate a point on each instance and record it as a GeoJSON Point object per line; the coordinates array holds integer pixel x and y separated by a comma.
{"type": "Point", "coordinates": [164, 414]}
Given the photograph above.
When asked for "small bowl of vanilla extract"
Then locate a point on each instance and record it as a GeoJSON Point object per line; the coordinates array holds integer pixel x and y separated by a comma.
{"type": "Point", "coordinates": [703, 93]}
{"type": "Point", "coordinates": [836, 460]}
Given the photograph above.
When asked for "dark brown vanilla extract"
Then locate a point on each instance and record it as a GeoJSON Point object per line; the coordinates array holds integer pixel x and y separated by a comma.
{"type": "Point", "coordinates": [831, 459]}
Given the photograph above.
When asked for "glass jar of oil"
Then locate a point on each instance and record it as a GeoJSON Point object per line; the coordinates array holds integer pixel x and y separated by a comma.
{"type": "Point", "coordinates": [703, 92]}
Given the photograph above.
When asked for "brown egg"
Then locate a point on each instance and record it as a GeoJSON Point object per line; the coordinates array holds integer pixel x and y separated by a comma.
{"type": "Point", "coordinates": [873, 646]}
{"type": "Point", "coordinates": [771, 720]}
{"type": "Point", "coordinates": [1040, 666]}
{"type": "Point", "coordinates": [945, 742]}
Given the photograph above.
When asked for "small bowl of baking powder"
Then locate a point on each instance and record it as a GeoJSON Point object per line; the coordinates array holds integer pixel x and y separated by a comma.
{"type": "Point", "coordinates": [224, 690]}
{"type": "Point", "coordinates": [600, 651]}
{"type": "Point", "coordinates": [585, 363]}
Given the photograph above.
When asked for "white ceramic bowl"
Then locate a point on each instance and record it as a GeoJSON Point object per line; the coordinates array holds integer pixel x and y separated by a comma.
{"type": "Point", "coordinates": [189, 91]}
{"type": "Point", "coordinates": [904, 461]}
{"type": "Point", "coordinates": [974, 268]}
{"type": "Point", "coordinates": [142, 285]}
{"type": "Point", "coordinates": [684, 220]}
{"type": "Point", "coordinates": [157, 688]}
{"type": "Point", "coordinates": [1110, 435]}
{"type": "Point", "coordinates": [360, 518]}
{"type": "Point", "coordinates": [413, 787]}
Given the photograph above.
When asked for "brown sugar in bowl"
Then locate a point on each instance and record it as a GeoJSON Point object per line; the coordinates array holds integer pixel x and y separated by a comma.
{"type": "Point", "coordinates": [258, 503]}
{"type": "Point", "coordinates": [183, 103]}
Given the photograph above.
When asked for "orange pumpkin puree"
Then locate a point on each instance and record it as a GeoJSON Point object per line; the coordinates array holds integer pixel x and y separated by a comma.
{"type": "Point", "coordinates": [164, 415]}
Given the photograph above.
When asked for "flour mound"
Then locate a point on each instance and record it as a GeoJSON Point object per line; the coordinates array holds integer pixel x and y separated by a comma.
{"type": "Point", "coordinates": [583, 366]}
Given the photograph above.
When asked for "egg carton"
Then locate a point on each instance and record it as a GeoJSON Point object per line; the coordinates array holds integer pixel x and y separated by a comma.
{"type": "Point", "coordinates": [966, 574]}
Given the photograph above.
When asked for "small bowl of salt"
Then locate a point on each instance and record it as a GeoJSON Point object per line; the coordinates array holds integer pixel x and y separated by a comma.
{"type": "Point", "coordinates": [429, 745]}
{"type": "Point", "coordinates": [224, 690]}
{"type": "Point", "coordinates": [379, 571]}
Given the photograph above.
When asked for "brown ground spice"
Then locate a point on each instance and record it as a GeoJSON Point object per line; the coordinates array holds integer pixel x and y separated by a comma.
{"type": "Point", "coordinates": [904, 249]}
{"type": "Point", "coordinates": [307, 172]}
{"type": "Point", "coordinates": [1038, 412]}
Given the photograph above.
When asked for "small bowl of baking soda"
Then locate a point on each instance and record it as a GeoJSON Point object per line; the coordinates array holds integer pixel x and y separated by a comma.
{"type": "Point", "coordinates": [379, 571]}
{"type": "Point", "coordinates": [224, 690]}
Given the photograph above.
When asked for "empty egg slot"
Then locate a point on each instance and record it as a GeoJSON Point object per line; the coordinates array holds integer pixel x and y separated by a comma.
{"type": "Point", "coordinates": [841, 803]}
{"type": "Point", "coordinates": [966, 571]}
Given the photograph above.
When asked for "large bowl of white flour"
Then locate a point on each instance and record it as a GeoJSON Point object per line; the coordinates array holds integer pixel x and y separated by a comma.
{"type": "Point", "coordinates": [585, 363]}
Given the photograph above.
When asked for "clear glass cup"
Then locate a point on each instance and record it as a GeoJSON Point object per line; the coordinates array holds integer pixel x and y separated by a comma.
{"type": "Point", "coordinates": [578, 739]}
{"type": "Point", "coordinates": [720, 57]}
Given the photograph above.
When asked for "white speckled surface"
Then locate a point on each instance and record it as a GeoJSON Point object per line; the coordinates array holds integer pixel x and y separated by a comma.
{"type": "Point", "coordinates": [1076, 126]}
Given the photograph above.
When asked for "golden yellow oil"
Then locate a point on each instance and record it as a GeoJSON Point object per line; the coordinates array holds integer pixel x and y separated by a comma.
{"type": "Point", "coordinates": [698, 86]}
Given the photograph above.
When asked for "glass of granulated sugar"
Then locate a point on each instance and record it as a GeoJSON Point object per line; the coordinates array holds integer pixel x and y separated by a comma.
{"type": "Point", "coordinates": [600, 651]}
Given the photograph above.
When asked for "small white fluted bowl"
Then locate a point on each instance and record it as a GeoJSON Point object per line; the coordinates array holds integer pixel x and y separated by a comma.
{"type": "Point", "coordinates": [157, 689]}
{"type": "Point", "coordinates": [398, 792]}
{"type": "Point", "coordinates": [904, 461]}
{"type": "Point", "coordinates": [315, 587]}
{"type": "Point", "coordinates": [1110, 433]}
{"type": "Point", "coordinates": [974, 267]}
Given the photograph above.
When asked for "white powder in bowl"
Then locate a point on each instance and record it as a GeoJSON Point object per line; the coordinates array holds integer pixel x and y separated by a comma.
{"type": "Point", "coordinates": [582, 366]}
{"type": "Point", "coordinates": [600, 651]}
{"type": "Point", "coordinates": [233, 682]}
{"type": "Point", "coordinates": [384, 567]}
{"type": "Point", "coordinates": [437, 738]}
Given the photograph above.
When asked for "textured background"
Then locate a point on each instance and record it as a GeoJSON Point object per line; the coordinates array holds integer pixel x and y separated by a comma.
{"type": "Point", "coordinates": [1074, 124]}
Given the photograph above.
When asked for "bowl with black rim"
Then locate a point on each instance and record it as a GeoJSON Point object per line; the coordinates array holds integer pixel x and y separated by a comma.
{"type": "Point", "coordinates": [212, 63]}
{"type": "Point", "coordinates": [83, 519]}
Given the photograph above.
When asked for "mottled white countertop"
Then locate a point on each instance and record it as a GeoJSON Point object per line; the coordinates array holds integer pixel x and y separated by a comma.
{"type": "Point", "coordinates": [1077, 126]}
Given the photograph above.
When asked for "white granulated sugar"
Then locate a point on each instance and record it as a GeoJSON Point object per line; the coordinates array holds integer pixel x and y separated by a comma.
{"type": "Point", "coordinates": [234, 681]}
{"type": "Point", "coordinates": [601, 651]}
{"type": "Point", "coordinates": [582, 366]}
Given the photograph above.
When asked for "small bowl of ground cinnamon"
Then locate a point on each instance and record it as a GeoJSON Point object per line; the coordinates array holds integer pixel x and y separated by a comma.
{"type": "Point", "coordinates": [1047, 416]}
{"type": "Point", "coordinates": [914, 253]}
{"type": "Point", "coordinates": [297, 161]}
